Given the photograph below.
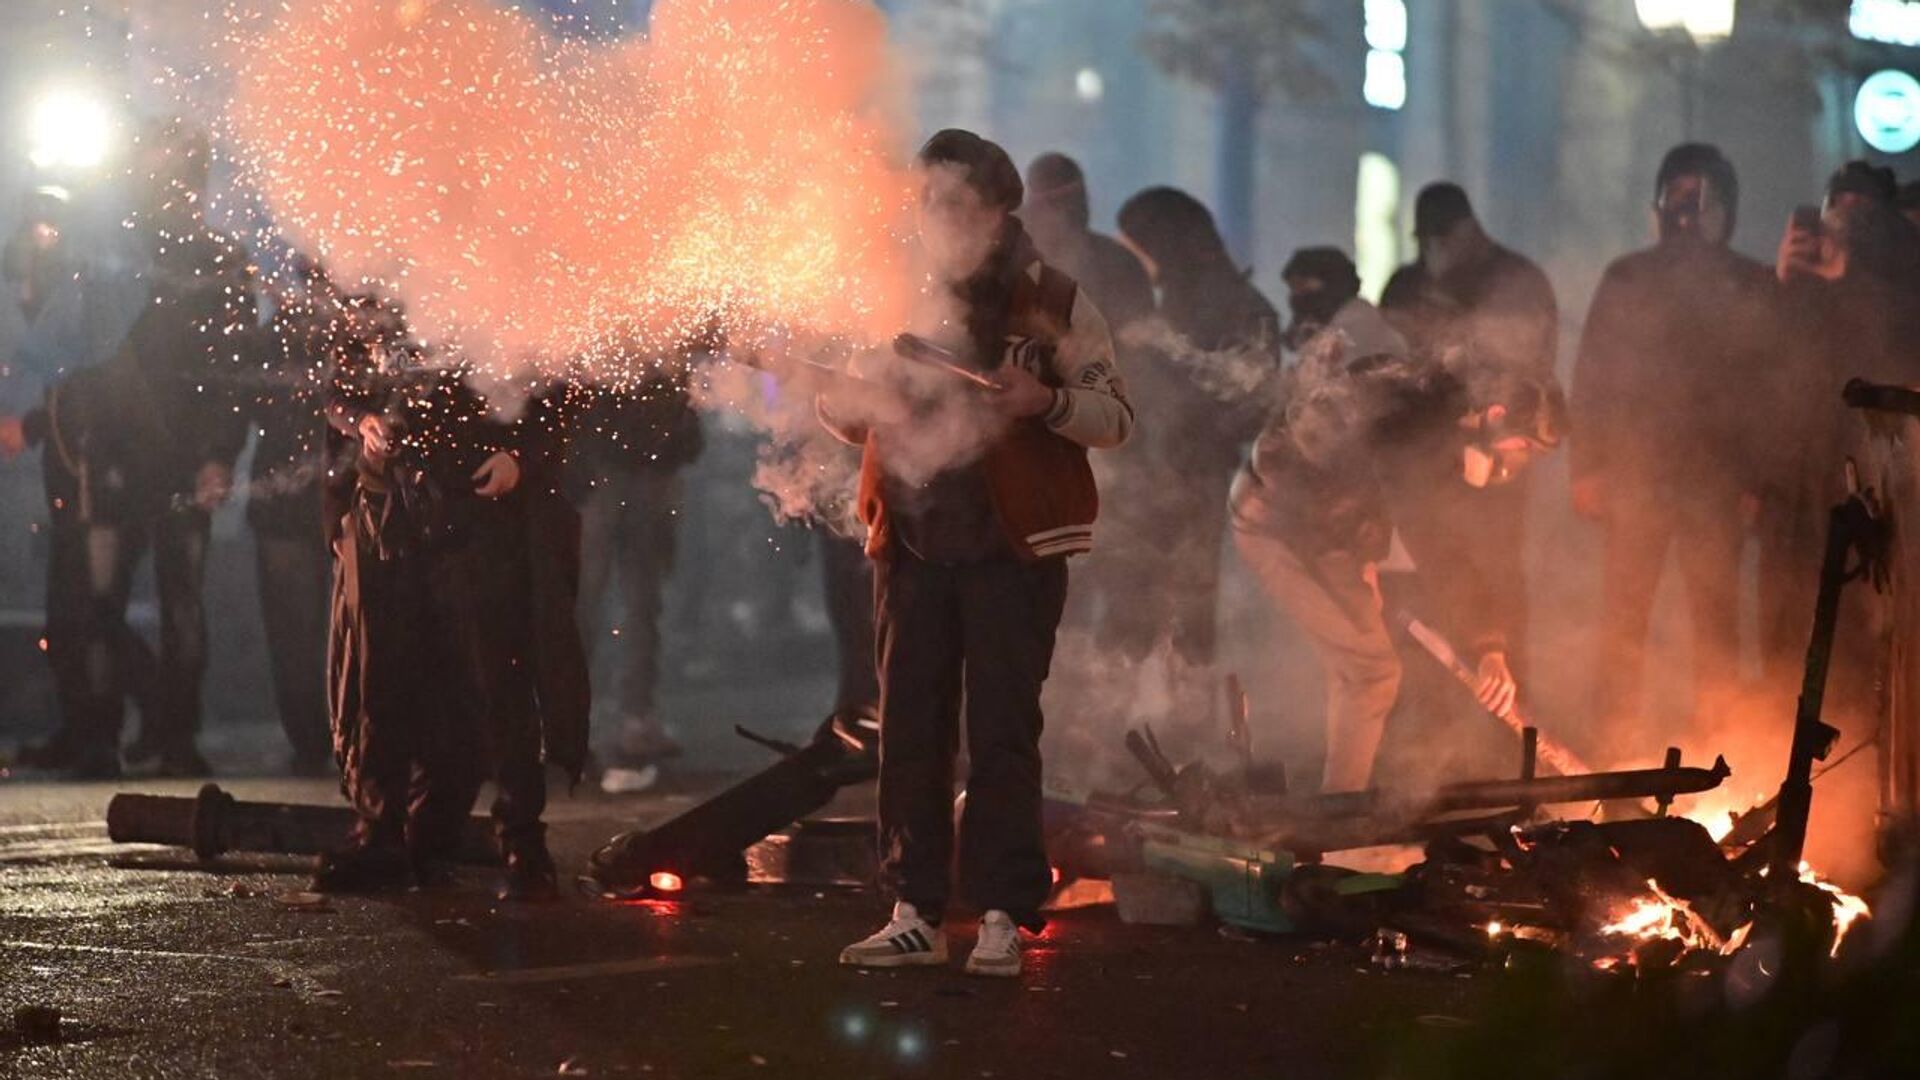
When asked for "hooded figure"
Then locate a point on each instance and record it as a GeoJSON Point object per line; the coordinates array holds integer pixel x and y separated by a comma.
{"type": "Point", "coordinates": [1201, 383]}
{"type": "Point", "coordinates": [1057, 217]}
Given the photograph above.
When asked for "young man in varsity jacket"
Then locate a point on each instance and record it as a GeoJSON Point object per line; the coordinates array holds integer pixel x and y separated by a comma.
{"type": "Point", "coordinates": [974, 488]}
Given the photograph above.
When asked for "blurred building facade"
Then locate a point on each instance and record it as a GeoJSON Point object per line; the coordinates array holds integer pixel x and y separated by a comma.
{"type": "Point", "coordinates": [1552, 113]}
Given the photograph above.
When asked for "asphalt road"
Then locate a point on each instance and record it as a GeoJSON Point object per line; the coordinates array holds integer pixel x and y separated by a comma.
{"type": "Point", "coordinates": [163, 968]}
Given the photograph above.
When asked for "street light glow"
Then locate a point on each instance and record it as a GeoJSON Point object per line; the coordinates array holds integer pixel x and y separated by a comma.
{"type": "Point", "coordinates": [68, 128]}
{"type": "Point", "coordinates": [1705, 21]}
{"type": "Point", "coordinates": [1089, 85]}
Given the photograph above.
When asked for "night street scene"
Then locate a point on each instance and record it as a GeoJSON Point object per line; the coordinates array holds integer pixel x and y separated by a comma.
{"type": "Point", "coordinates": [960, 538]}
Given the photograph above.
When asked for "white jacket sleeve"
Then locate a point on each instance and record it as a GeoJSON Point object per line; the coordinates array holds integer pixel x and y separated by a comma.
{"type": "Point", "coordinates": [1090, 406]}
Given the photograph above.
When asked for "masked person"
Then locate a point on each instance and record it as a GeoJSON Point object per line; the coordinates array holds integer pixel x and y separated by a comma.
{"type": "Point", "coordinates": [1201, 382]}
{"type": "Point", "coordinates": [1368, 445]}
{"type": "Point", "coordinates": [1488, 313]}
{"type": "Point", "coordinates": [434, 657]}
{"type": "Point", "coordinates": [1849, 271]}
{"type": "Point", "coordinates": [1665, 454]}
{"type": "Point", "coordinates": [973, 498]}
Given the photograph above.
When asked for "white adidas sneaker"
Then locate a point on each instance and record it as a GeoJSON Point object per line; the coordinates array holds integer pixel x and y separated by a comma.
{"type": "Point", "coordinates": [997, 951]}
{"type": "Point", "coordinates": [906, 941]}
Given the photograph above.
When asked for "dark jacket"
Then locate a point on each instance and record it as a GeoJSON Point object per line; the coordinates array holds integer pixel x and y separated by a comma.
{"type": "Point", "coordinates": [1109, 273]}
{"type": "Point", "coordinates": [168, 401]}
{"type": "Point", "coordinates": [447, 430]}
{"type": "Point", "coordinates": [1677, 340]}
{"type": "Point", "coordinates": [1494, 321]}
{"type": "Point", "coordinates": [1199, 389]}
{"type": "Point", "coordinates": [286, 407]}
{"type": "Point", "coordinates": [652, 426]}
{"type": "Point", "coordinates": [1367, 450]}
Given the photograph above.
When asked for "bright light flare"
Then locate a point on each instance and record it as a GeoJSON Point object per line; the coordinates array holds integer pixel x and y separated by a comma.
{"type": "Point", "coordinates": [69, 128]}
{"type": "Point", "coordinates": [666, 881]}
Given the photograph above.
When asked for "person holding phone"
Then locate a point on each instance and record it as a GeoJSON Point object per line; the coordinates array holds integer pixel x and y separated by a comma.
{"type": "Point", "coordinates": [1848, 270]}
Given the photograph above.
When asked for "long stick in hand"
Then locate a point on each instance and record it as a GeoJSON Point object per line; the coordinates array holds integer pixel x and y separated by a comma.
{"type": "Point", "coordinates": [1556, 756]}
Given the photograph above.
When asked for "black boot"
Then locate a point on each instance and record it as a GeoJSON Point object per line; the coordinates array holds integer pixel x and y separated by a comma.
{"type": "Point", "coordinates": [363, 869]}
{"type": "Point", "coordinates": [531, 875]}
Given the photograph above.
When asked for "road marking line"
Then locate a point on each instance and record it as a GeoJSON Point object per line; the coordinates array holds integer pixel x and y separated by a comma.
{"type": "Point", "coordinates": [67, 849]}
{"type": "Point", "coordinates": [52, 826]}
{"type": "Point", "coordinates": [157, 954]}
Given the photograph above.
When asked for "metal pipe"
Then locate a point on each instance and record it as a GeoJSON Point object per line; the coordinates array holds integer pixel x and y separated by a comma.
{"type": "Point", "coordinates": [214, 823]}
{"type": "Point", "coordinates": [1494, 794]}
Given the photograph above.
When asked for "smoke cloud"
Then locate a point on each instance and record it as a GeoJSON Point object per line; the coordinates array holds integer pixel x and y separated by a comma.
{"type": "Point", "coordinates": [533, 198]}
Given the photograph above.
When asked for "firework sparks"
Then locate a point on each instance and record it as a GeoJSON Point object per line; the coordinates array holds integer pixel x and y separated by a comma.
{"type": "Point", "coordinates": [533, 199]}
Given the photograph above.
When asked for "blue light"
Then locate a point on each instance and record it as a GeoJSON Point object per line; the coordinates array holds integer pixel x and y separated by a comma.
{"type": "Point", "coordinates": [1887, 111]}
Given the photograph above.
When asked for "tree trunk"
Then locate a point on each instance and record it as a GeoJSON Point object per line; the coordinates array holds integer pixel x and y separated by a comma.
{"type": "Point", "coordinates": [1234, 160]}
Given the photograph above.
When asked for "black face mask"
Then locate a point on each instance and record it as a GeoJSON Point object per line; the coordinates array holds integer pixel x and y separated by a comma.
{"type": "Point", "coordinates": [1311, 311]}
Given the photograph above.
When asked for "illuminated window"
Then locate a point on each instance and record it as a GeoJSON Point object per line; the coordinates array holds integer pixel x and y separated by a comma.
{"type": "Point", "coordinates": [1385, 85]}
{"type": "Point", "coordinates": [1387, 25]}
{"type": "Point", "coordinates": [1896, 22]}
{"type": "Point", "coordinates": [1376, 221]}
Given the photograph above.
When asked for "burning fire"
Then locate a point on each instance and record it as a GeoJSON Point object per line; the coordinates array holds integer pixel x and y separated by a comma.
{"type": "Point", "coordinates": [1847, 908]}
{"type": "Point", "coordinates": [1659, 915]}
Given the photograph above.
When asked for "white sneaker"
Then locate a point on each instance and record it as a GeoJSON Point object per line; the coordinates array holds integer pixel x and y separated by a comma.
{"type": "Point", "coordinates": [997, 952]}
{"type": "Point", "coordinates": [906, 941]}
